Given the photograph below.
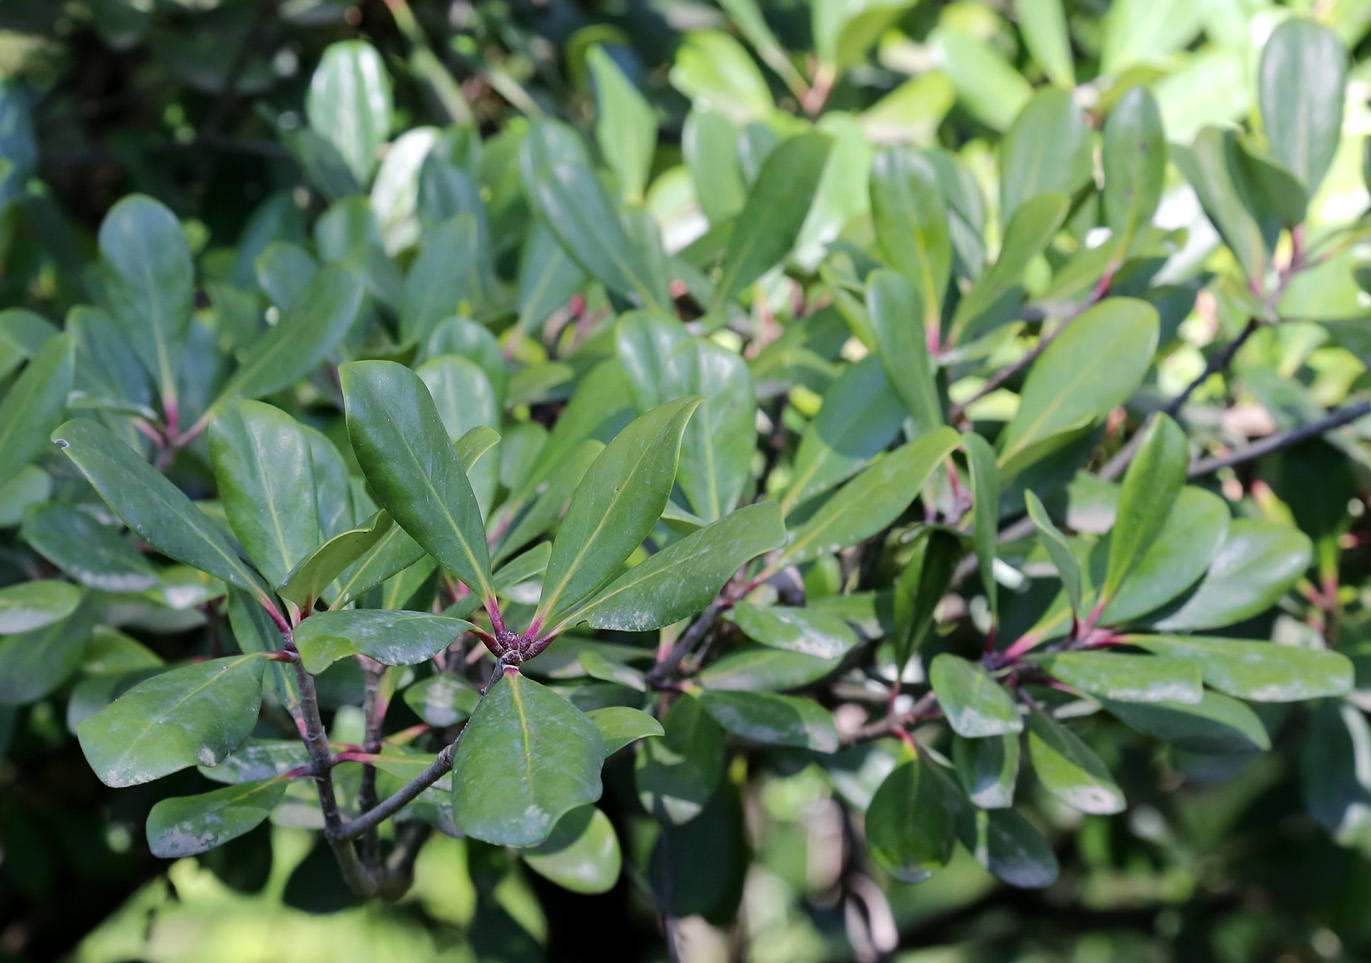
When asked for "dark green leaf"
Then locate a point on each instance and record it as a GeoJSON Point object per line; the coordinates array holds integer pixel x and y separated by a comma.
{"type": "Point", "coordinates": [909, 822]}
{"type": "Point", "coordinates": [1300, 89]}
{"type": "Point", "coordinates": [903, 348]}
{"type": "Point", "coordinates": [314, 573]}
{"type": "Point", "coordinates": [622, 725]}
{"type": "Point", "coordinates": [910, 219]}
{"type": "Point", "coordinates": [1058, 550]}
{"type": "Point", "coordinates": [677, 774]}
{"type": "Point", "coordinates": [34, 663]}
{"type": "Point", "coordinates": [922, 585]}
{"type": "Point", "coordinates": [1150, 488]}
{"type": "Point", "coordinates": [1047, 149]}
{"type": "Point", "coordinates": [985, 511]}
{"type": "Point", "coordinates": [32, 605]}
{"type": "Point", "coordinates": [762, 667]}
{"type": "Point", "coordinates": [442, 700]}
{"type": "Point", "coordinates": [1257, 671]}
{"type": "Point", "coordinates": [581, 855]}
{"type": "Point", "coordinates": [975, 704]}
{"type": "Point", "coordinates": [1069, 770]}
{"type": "Point", "coordinates": [1134, 159]}
{"type": "Point", "coordinates": [191, 825]}
{"type": "Point", "coordinates": [625, 126]}
{"type": "Point", "coordinates": [721, 437]}
{"type": "Point", "coordinates": [1007, 845]}
{"type": "Point", "coordinates": [1125, 678]}
{"type": "Point", "coordinates": [1213, 165]}
{"type": "Point", "coordinates": [772, 719]}
{"type": "Point", "coordinates": [988, 769]}
{"type": "Point", "coordinates": [34, 405]}
{"type": "Point", "coordinates": [441, 279]}
{"type": "Point", "coordinates": [1218, 724]}
{"type": "Point", "coordinates": [818, 634]}
{"type": "Point", "coordinates": [349, 103]}
{"type": "Point", "coordinates": [391, 638]}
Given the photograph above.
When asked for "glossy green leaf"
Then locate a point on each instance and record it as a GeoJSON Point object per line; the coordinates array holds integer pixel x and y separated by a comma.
{"type": "Point", "coordinates": [903, 348]}
{"type": "Point", "coordinates": [872, 500]}
{"type": "Point", "coordinates": [985, 512]}
{"type": "Point", "coordinates": [1008, 846]}
{"type": "Point", "coordinates": [149, 281]}
{"type": "Point", "coordinates": [1258, 563]}
{"type": "Point", "coordinates": [404, 451]}
{"type": "Point", "coordinates": [643, 341]}
{"type": "Point", "coordinates": [1047, 149]}
{"type": "Point", "coordinates": [623, 725]}
{"type": "Point", "coordinates": [93, 554]}
{"type": "Point", "coordinates": [441, 279]}
{"type": "Point", "coordinates": [1134, 157]}
{"type": "Point", "coordinates": [189, 825]}
{"type": "Point", "coordinates": [909, 216]}
{"type": "Point", "coordinates": [32, 605]}
{"type": "Point", "coordinates": [548, 277]}
{"type": "Point", "coordinates": [262, 462]}
{"type": "Point", "coordinates": [975, 704]}
{"type": "Point", "coordinates": [442, 700]}
{"type": "Point", "coordinates": [34, 663]}
{"type": "Point", "coordinates": [625, 125]}
{"type": "Point", "coordinates": [349, 103]}
{"type": "Point", "coordinates": [987, 85]}
{"type": "Point", "coordinates": [921, 586]}
{"type": "Point", "coordinates": [283, 271]}
{"type": "Point", "coordinates": [194, 715]}
{"type": "Point", "coordinates": [581, 855]}
{"type": "Point", "coordinates": [677, 774]}
{"type": "Point", "coordinates": [909, 822]}
{"type": "Point", "coordinates": [1125, 678]}
{"type": "Point", "coordinates": [391, 638]}
{"type": "Point", "coordinates": [988, 769]}
{"type": "Point", "coordinates": [764, 668]}
{"type": "Point", "coordinates": [1219, 724]}
{"type": "Point", "coordinates": [1150, 488]}
{"type": "Point", "coordinates": [616, 504]}
{"type": "Point", "coordinates": [682, 578]}
{"type": "Point", "coordinates": [1146, 31]}
{"type": "Point", "coordinates": [1336, 768]}
{"type": "Point", "coordinates": [392, 553]}
{"type": "Point", "coordinates": [819, 634]}
{"type": "Point", "coordinates": [153, 507]}
{"type": "Point", "coordinates": [1256, 671]}
{"type": "Point", "coordinates": [1300, 89]}
{"type": "Point", "coordinates": [721, 438]}
{"type": "Point", "coordinates": [772, 719]}
{"type": "Point", "coordinates": [714, 71]}
{"type": "Point", "coordinates": [316, 571]}
{"type": "Point", "coordinates": [776, 208]}
{"type": "Point", "coordinates": [1068, 768]}
{"type": "Point", "coordinates": [1213, 165]}
{"type": "Point", "coordinates": [527, 757]}
{"type": "Point", "coordinates": [34, 404]}
{"type": "Point", "coordinates": [1043, 24]}
{"type": "Point", "coordinates": [709, 141]}
{"type": "Point", "coordinates": [1058, 550]}
{"type": "Point", "coordinates": [1094, 365]}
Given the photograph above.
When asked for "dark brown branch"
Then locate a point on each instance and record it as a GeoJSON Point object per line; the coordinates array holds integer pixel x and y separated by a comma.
{"type": "Point", "coordinates": [1334, 419]}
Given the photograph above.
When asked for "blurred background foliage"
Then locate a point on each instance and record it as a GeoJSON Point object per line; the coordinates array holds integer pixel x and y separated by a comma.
{"type": "Point", "coordinates": [202, 104]}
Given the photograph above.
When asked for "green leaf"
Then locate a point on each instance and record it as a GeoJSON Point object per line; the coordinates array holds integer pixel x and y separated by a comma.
{"type": "Point", "coordinates": [974, 703]}
{"type": "Point", "coordinates": [922, 585]}
{"type": "Point", "coordinates": [909, 822]}
{"type": "Point", "coordinates": [34, 405]}
{"type": "Point", "coordinates": [548, 277]}
{"type": "Point", "coordinates": [194, 715]}
{"type": "Point", "coordinates": [190, 825]}
{"type": "Point", "coordinates": [747, 15]}
{"type": "Point", "coordinates": [871, 501]}
{"type": "Point", "coordinates": [1125, 678]}
{"type": "Point", "coordinates": [1094, 365]}
{"type": "Point", "coordinates": [32, 605]}
{"type": "Point", "coordinates": [552, 496]}
{"type": "Point", "coordinates": [710, 144]}
{"type": "Point", "coordinates": [89, 552]}
{"type": "Point", "coordinates": [391, 638]}
{"type": "Point", "coordinates": [1134, 159]}
{"type": "Point", "coordinates": [349, 104]}
{"type": "Point", "coordinates": [776, 208]}
{"type": "Point", "coordinates": [809, 632]}
{"type": "Point", "coordinates": [720, 440]}
{"type": "Point", "coordinates": [1150, 488]}
{"type": "Point", "coordinates": [441, 279]}
{"type": "Point", "coordinates": [762, 667]}
{"type": "Point", "coordinates": [581, 855]}
{"type": "Point", "coordinates": [1218, 724]}
{"type": "Point", "coordinates": [150, 283]}
{"type": "Point", "coordinates": [1043, 24]}
{"type": "Point", "coordinates": [903, 348]}
{"type": "Point", "coordinates": [772, 719]}
{"type": "Point", "coordinates": [1256, 671]}
{"type": "Point", "coordinates": [1146, 31]}
{"type": "Point", "coordinates": [153, 507]}
{"type": "Point", "coordinates": [1336, 768]}
{"type": "Point", "coordinates": [1194, 532]}
{"type": "Point", "coordinates": [392, 553]}
{"type": "Point", "coordinates": [1213, 165]}
{"type": "Point", "coordinates": [1047, 149]}
{"type": "Point", "coordinates": [989, 88]}
{"type": "Point", "coordinates": [910, 219]}
{"type": "Point", "coordinates": [715, 72]}
{"type": "Point", "coordinates": [1058, 550]}
{"type": "Point", "coordinates": [644, 341]}
{"type": "Point", "coordinates": [682, 578]}
{"type": "Point", "coordinates": [1008, 846]}
{"type": "Point", "coordinates": [284, 270]}
{"type": "Point", "coordinates": [404, 451]}
{"type": "Point", "coordinates": [677, 774]}
{"type": "Point", "coordinates": [616, 504]}
{"type": "Point", "coordinates": [1300, 89]}
{"type": "Point", "coordinates": [316, 571]}
{"type": "Point", "coordinates": [262, 462]}
{"type": "Point", "coordinates": [309, 329]}
{"type": "Point", "coordinates": [985, 512]}
{"type": "Point", "coordinates": [442, 700]}
{"type": "Point", "coordinates": [859, 417]}
{"type": "Point", "coordinates": [34, 663]}
{"type": "Point", "coordinates": [1258, 563]}
{"type": "Point", "coordinates": [988, 769]}
{"type": "Point", "coordinates": [845, 29]}
{"type": "Point", "coordinates": [625, 125]}
{"type": "Point", "coordinates": [622, 725]}
{"type": "Point", "coordinates": [1069, 770]}
{"type": "Point", "coordinates": [527, 757]}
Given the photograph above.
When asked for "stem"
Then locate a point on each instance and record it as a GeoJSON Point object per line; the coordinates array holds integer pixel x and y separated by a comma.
{"type": "Point", "coordinates": [1334, 419]}
{"type": "Point", "coordinates": [374, 712]}
{"type": "Point", "coordinates": [658, 674]}
{"type": "Point", "coordinates": [926, 707]}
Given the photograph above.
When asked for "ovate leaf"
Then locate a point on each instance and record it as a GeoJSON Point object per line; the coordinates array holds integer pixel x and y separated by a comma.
{"type": "Point", "coordinates": [32, 605]}
{"type": "Point", "coordinates": [1058, 550]}
{"type": "Point", "coordinates": [34, 404]}
{"type": "Point", "coordinates": [349, 104]}
{"type": "Point", "coordinates": [190, 825]}
{"type": "Point", "coordinates": [581, 855]}
{"type": "Point", "coordinates": [1068, 768]}
{"type": "Point", "coordinates": [677, 774]}
{"type": "Point", "coordinates": [1257, 671]}
{"type": "Point", "coordinates": [1126, 678]}
{"type": "Point", "coordinates": [1300, 89]}
{"type": "Point", "coordinates": [974, 703]}
{"type": "Point", "coordinates": [807, 631]}
{"type": "Point", "coordinates": [389, 637]}
{"type": "Point", "coordinates": [909, 822]}
{"type": "Point", "coordinates": [772, 719]}
{"type": "Point", "coordinates": [902, 345]}
{"type": "Point", "coordinates": [1150, 487]}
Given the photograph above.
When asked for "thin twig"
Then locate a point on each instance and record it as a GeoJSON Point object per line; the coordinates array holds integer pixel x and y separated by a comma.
{"type": "Point", "coordinates": [1334, 419]}
{"type": "Point", "coordinates": [660, 672]}
{"type": "Point", "coordinates": [374, 714]}
{"type": "Point", "coordinates": [925, 707]}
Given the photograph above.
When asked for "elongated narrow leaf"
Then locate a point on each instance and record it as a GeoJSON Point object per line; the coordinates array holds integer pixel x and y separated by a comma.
{"type": "Point", "coordinates": [262, 462]}
{"type": "Point", "coordinates": [441, 278]}
{"type": "Point", "coordinates": [623, 725]}
{"type": "Point", "coordinates": [625, 126]}
{"type": "Point", "coordinates": [677, 774]}
{"type": "Point", "coordinates": [1043, 23]}
{"type": "Point", "coordinates": [872, 500]}
{"type": "Point", "coordinates": [152, 506]}
{"type": "Point", "coordinates": [975, 704]}
{"type": "Point", "coordinates": [1068, 768]}
{"type": "Point", "coordinates": [988, 769]}
{"type": "Point", "coordinates": [903, 347]}
{"type": "Point", "coordinates": [721, 437]}
{"type": "Point", "coordinates": [909, 822]}
{"type": "Point", "coordinates": [1058, 550]}
{"type": "Point", "coordinates": [194, 715]}
{"type": "Point", "coordinates": [681, 579]}
{"type": "Point", "coordinates": [404, 451]}
{"type": "Point", "coordinates": [527, 757]}
{"type": "Point", "coordinates": [776, 208]}
{"type": "Point", "coordinates": [809, 632]}
{"type": "Point", "coordinates": [314, 573]}
{"type": "Point", "coordinates": [922, 585]}
{"type": "Point", "coordinates": [34, 663]}
{"type": "Point", "coordinates": [93, 554]}
{"type": "Point", "coordinates": [763, 668]}
{"type": "Point", "coordinates": [391, 638]}
{"type": "Point", "coordinates": [644, 341]}
{"type": "Point", "coordinates": [150, 284]}
{"type": "Point", "coordinates": [1126, 678]}
{"type": "Point", "coordinates": [34, 405]}
{"type": "Point", "coordinates": [581, 855]}
{"type": "Point", "coordinates": [615, 505]}
{"type": "Point", "coordinates": [32, 605]}
{"type": "Point", "coordinates": [1008, 846]}
{"type": "Point", "coordinates": [985, 513]}
{"type": "Point", "coordinates": [349, 103]}
{"type": "Point", "coordinates": [772, 719]}
{"type": "Point", "coordinates": [1150, 487]}
{"type": "Point", "coordinates": [1218, 724]}
{"type": "Point", "coordinates": [190, 825]}
{"type": "Point", "coordinates": [1213, 165]}
{"type": "Point", "coordinates": [1300, 89]}
{"type": "Point", "coordinates": [1047, 148]}
{"type": "Point", "coordinates": [910, 219]}
{"type": "Point", "coordinates": [1257, 671]}
{"type": "Point", "coordinates": [1134, 159]}
{"type": "Point", "coordinates": [309, 329]}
